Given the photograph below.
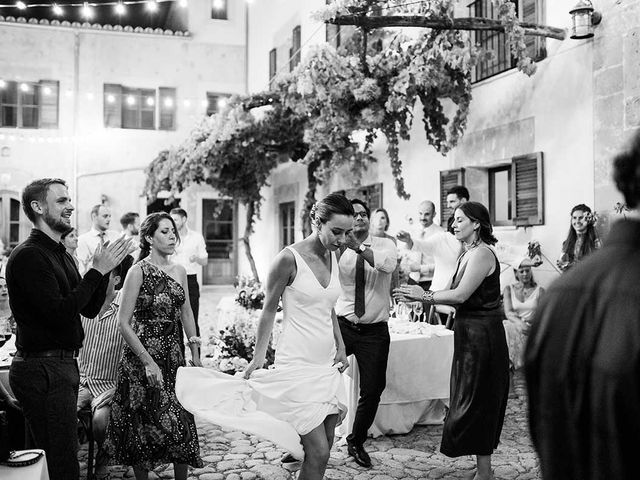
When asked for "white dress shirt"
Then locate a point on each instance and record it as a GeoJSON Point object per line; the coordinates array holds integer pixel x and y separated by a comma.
{"type": "Point", "coordinates": [191, 243]}
{"type": "Point", "coordinates": [445, 249]}
{"type": "Point", "coordinates": [377, 281]}
{"type": "Point", "coordinates": [88, 243]}
{"type": "Point", "coordinates": [427, 262]}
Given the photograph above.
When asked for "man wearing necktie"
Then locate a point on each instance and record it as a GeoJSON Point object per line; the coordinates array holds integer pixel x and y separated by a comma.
{"type": "Point", "coordinates": [98, 235]}
{"type": "Point", "coordinates": [366, 267]}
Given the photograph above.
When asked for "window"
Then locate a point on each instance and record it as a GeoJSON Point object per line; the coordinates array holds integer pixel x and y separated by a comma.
{"type": "Point", "coordinates": [13, 224]}
{"type": "Point", "coordinates": [287, 223]}
{"type": "Point", "coordinates": [215, 102]}
{"type": "Point", "coordinates": [516, 194]}
{"type": "Point", "coordinates": [219, 10]}
{"type": "Point", "coordinates": [135, 108]}
{"type": "Point", "coordinates": [333, 35]}
{"type": "Point", "coordinates": [500, 195]}
{"type": "Point", "coordinates": [296, 45]}
{"type": "Point", "coordinates": [273, 65]}
{"type": "Point", "coordinates": [29, 104]}
{"type": "Point", "coordinates": [448, 179]}
{"type": "Point", "coordinates": [528, 11]}
{"type": "Point", "coordinates": [369, 194]}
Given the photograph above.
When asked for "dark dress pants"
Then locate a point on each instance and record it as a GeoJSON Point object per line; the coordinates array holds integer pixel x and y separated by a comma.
{"type": "Point", "coordinates": [194, 298]}
{"type": "Point", "coordinates": [370, 345]}
{"type": "Point", "coordinates": [47, 389]}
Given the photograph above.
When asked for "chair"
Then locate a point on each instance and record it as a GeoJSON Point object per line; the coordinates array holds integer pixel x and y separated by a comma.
{"type": "Point", "coordinates": [85, 417]}
{"type": "Point", "coordinates": [447, 310]}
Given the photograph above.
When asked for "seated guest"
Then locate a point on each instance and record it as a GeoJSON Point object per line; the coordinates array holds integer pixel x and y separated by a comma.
{"type": "Point", "coordinates": [520, 301]}
{"type": "Point", "coordinates": [70, 242]}
{"type": "Point", "coordinates": [582, 238]}
{"type": "Point", "coordinates": [98, 361]}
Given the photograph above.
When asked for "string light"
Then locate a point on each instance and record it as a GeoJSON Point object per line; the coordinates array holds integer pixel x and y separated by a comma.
{"type": "Point", "coordinates": [150, 102]}
{"type": "Point", "coordinates": [24, 87]}
{"type": "Point", "coordinates": [183, 3]}
{"type": "Point", "coordinates": [120, 9]}
{"type": "Point", "coordinates": [21, 5]}
{"type": "Point", "coordinates": [3, 84]}
{"type": "Point", "coordinates": [57, 9]}
{"type": "Point", "coordinates": [87, 11]}
{"type": "Point", "coordinates": [168, 102]}
{"type": "Point", "coordinates": [218, 4]}
{"type": "Point", "coordinates": [152, 6]}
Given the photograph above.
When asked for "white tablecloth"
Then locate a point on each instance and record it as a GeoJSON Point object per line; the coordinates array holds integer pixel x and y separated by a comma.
{"type": "Point", "coordinates": [417, 388]}
{"type": "Point", "coordinates": [37, 471]}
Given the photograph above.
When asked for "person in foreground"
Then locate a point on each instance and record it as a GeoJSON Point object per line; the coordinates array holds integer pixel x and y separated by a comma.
{"type": "Point", "coordinates": [582, 359]}
{"type": "Point", "coordinates": [147, 425]}
{"type": "Point", "coordinates": [302, 398]}
{"type": "Point", "coordinates": [47, 296]}
{"type": "Point", "coordinates": [480, 370]}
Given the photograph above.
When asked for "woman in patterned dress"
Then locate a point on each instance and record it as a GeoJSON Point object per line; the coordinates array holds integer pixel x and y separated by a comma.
{"type": "Point", "coordinates": [148, 426]}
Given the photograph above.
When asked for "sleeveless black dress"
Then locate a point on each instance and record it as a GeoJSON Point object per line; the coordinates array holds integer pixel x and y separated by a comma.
{"type": "Point", "coordinates": [479, 374]}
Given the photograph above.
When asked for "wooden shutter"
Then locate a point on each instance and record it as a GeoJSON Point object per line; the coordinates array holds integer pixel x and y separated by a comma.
{"type": "Point", "coordinates": [448, 179]}
{"type": "Point", "coordinates": [532, 13]}
{"type": "Point", "coordinates": [112, 109]}
{"type": "Point", "coordinates": [273, 66]}
{"type": "Point", "coordinates": [527, 194]}
{"type": "Point", "coordinates": [296, 45]}
{"type": "Point", "coordinates": [167, 108]}
{"type": "Point", "coordinates": [48, 101]}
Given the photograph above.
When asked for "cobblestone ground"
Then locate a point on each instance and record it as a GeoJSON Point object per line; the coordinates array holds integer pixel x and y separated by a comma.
{"type": "Point", "coordinates": [237, 456]}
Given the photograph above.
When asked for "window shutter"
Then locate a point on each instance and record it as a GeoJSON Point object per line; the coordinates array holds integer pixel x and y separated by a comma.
{"type": "Point", "coordinates": [528, 190]}
{"type": "Point", "coordinates": [112, 105]}
{"type": "Point", "coordinates": [49, 95]}
{"type": "Point", "coordinates": [167, 108]}
{"type": "Point", "coordinates": [531, 13]}
{"type": "Point", "coordinates": [296, 45]}
{"type": "Point", "coordinates": [448, 179]}
{"type": "Point", "coordinates": [272, 64]}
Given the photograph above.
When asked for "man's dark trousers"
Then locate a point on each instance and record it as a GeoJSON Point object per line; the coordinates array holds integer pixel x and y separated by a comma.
{"type": "Point", "coordinates": [47, 389]}
{"type": "Point", "coordinates": [370, 345]}
{"type": "Point", "coordinates": [194, 298]}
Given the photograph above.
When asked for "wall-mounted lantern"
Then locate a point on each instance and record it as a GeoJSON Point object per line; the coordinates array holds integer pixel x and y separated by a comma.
{"type": "Point", "coordinates": [583, 19]}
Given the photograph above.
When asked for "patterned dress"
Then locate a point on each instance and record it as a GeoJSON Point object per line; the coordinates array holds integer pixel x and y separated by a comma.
{"type": "Point", "coordinates": [148, 426]}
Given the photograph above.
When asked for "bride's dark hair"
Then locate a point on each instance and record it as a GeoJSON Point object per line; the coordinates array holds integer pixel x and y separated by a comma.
{"type": "Point", "coordinates": [332, 204]}
{"type": "Point", "coordinates": [149, 227]}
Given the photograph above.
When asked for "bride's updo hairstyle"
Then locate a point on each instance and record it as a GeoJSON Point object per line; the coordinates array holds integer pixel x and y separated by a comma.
{"type": "Point", "coordinates": [332, 204]}
{"type": "Point", "coordinates": [149, 227]}
{"type": "Point", "coordinates": [476, 212]}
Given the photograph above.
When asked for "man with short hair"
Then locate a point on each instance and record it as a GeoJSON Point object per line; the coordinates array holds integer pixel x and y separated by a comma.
{"type": "Point", "coordinates": [456, 196]}
{"type": "Point", "coordinates": [47, 296]}
{"type": "Point", "coordinates": [130, 223]}
{"type": "Point", "coordinates": [98, 361]}
{"type": "Point", "coordinates": [422, 272]}
{"type": "Point", "coordinates": [99, 234]}
{"type": "Point", "coordinates": [582, 360]}
{"type": "Point", "coordinates": [191, 253]}
{"type": "Point", "coordinates": [365, 266]}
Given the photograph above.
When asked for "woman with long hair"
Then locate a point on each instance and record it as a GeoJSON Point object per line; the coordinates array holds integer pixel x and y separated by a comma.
{"type": "Point", "coordinates": [148, 426]}
{"type": "Point", "coordinates": [480, 370]}
{"type": "Point", "coordinates": [70, 241]}
{"type": "Point", "coordinates": [582, 238]}
{"type": "Point", "coordinates": [302, 398]}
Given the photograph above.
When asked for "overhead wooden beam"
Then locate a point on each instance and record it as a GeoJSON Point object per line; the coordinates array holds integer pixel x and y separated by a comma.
{"type": "Point", "coordinates": [463, 23]}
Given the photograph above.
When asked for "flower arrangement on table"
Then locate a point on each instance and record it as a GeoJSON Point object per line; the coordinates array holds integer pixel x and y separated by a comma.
{"type": "Point", "coordinates": [250, 293]}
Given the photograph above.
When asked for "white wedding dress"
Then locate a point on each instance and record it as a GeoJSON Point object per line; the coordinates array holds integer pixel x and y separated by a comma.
{"type": "Point", "coordinates": [299, 392]}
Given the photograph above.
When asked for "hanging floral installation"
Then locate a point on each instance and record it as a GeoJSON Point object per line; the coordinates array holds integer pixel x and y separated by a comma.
{"type": "Point", "coordinates": [371, 84]}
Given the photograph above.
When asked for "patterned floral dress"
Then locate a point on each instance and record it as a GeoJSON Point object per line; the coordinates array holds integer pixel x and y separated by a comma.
{"type": "Point", "coordinates": [148, 426]}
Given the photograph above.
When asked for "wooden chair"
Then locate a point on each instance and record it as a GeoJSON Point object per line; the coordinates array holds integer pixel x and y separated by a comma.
{"type": "Point", "coordinates": [436, 319]}
{"type": "Point", "coordinates": [85, 417]}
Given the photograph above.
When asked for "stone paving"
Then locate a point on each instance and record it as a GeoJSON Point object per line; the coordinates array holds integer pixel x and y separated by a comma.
{"type": "Point", "coordinates": [232, 455]}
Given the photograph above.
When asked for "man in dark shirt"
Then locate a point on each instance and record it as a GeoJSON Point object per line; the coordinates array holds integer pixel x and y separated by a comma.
{"type": "Point", "coordinates": [47, 296]}
{"type": "Point", "coordinates": [582, 361]}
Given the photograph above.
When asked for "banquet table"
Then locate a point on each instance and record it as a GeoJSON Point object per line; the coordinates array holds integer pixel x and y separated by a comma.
{"type": "Point", "coordinates": [37, 471]}
{"type": "Point", "coordinates": [418, 373]}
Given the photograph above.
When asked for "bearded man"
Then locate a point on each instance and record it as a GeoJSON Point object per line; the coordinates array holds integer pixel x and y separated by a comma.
{"type": "Point", "coordinates": [47, 296]}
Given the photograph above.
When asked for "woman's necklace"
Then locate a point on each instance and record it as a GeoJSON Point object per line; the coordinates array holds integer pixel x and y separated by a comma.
{"type": "Point", "coordinates": [472, 245]}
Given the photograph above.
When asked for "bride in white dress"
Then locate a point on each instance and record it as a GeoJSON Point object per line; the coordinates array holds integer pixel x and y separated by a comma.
{"type": "Point", "coordinates": [302, 398]}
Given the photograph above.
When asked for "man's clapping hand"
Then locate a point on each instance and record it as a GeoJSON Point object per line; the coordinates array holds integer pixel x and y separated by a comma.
{"type": "Point", "coordinates": [109, 255]}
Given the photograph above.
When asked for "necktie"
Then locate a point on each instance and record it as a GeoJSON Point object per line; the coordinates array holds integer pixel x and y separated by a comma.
{"type": "Point", "coordinates": [359, 304]}
{"type": "Point", "coordinates": [102, 236]}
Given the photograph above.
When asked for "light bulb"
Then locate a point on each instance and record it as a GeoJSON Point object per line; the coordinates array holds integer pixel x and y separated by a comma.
{"type": "Point", "coordinates": [120, 9]}
{"type": "Point", "coordinates": [57, 9]}
{"type": "Point", "coordinates": [87, 11]}
{"type": "Point", "coordinates": [183, 3]}
{"type": "Point", "coordinates": [21, 5]}
{"type": "Point", "coordinates": [152, 6]}
{"type": "Point", "coordinates": [131, 100]}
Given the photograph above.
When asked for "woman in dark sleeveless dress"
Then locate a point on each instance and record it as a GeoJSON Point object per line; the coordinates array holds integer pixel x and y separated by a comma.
{"type": "Point", "coordinates": [480, 370]}
{"type": "Point", "coordinates": [148, 426]}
